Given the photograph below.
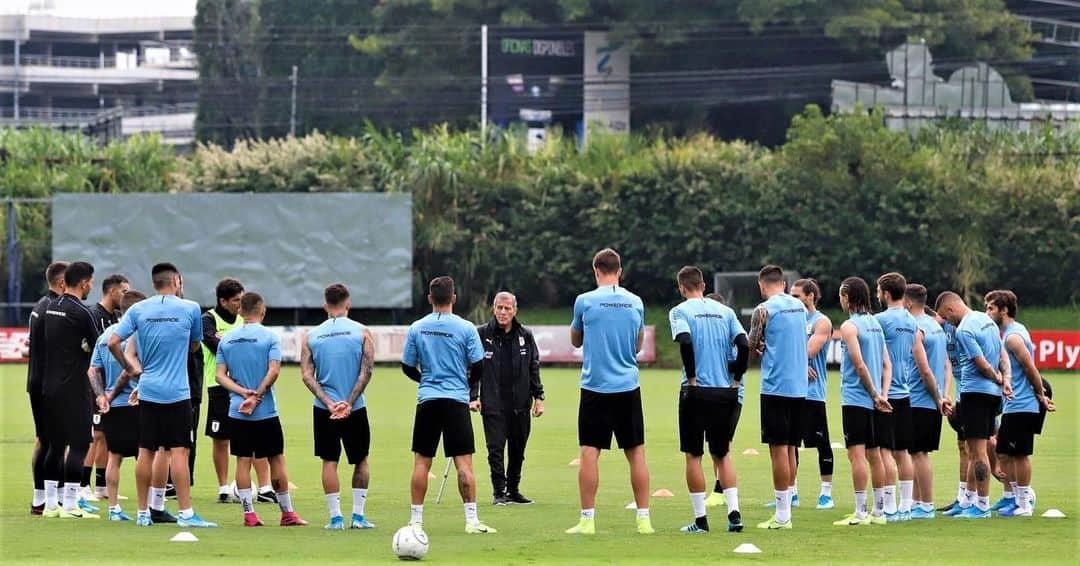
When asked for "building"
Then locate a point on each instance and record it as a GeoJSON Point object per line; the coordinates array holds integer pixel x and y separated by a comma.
{"type": "Point", "coordinates": [107, 76]}
{"type": "Point", "coordinates": [1055, 68]}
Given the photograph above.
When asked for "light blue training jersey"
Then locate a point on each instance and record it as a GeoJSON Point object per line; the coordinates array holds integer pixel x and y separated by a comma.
{"type": "Point", "coordinates": [977, 336]}
{"type": "Point", "coordinates": [1024, 400]}
{"type": "Point", "coordinates": [784, 364]}
{"type": "Point", "coordinates": [872, 347]}
{"type": "Point", "coordinates": [817, 389]}
{"type": "Point", "coordinates": [934, 342]}
{"type": "Point", "coordinates": [899, 328]}
{"type": "Point", "coordinates": [610, 318]}
{"type": "Point", "coordinates": [443, 346]}
{"type": "Point", "coordinates": [247, 352]}
{"type": "Point", "coordinates": [167, 326]}
{"type": "Point", "coordinates": [712, 327]}
{"type": "Point", "coordinates": [103, 359]}
{"type": "Point", "coordinates": [337, 347]}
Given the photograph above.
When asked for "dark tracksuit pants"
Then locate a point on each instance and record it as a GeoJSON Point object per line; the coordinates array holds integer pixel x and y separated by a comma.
{"type": "Point", "coordinates": [507, 430]}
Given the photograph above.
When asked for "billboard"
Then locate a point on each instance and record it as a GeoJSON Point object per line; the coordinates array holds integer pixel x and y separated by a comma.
{"type": "Point", "coordinates": [607, 84]}
{"type": "Point", "coordinates": [286, 246]}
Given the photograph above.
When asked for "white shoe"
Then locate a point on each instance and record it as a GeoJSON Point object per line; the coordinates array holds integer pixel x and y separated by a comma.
{"type": "Point", "coordinates": [88, 494]}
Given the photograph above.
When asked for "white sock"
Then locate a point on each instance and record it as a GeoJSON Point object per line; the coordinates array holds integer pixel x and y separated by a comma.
{"type": "Point", "coordinates": [187, 513]}
{"type": "Point", "coordinates": [157, 498]}
{"type": "Point", "coordinates": [100, 491]}
{"type": "Point", "coordinates": [961, 491]}
{"type": "Point", "coordinates": [879, 501]}
{"type": "Point", "coordinates": [860, 504]}
{"type": "Point", "coordinates": [783, 506]}
{"type": "Point", "coordinates": [982, 503]}
{"type": "Point", "coordinates": [52, 494]}
{"type": "Point", "coordinates": [697, 501]}
{"type": "Point", "coordinates": [284, 501]}
{"type": "Point", "coordinates": [246, 500]}
{"type": "Point", "coordinates": [968, 499]}
{"type": "Point", "coordinates": [143, 512]}
{"type": "Point", "coordinates": [39, 498]}
{"type": "Point", "coordinates": [732, 496]}
{"type": "Point", "coordinates": [1025, 495]}
{"type": "Point", "coordinates": [416, 514]}
{"type": "Point", "coordinates": [826, 488]}
{"type": "Point", "coordinates": [588, 513]}
{"type": "Point", "coordinates": [71, 495]}
{"type": "Point", "coordinates": [643, 513]}
{"type": "Point", "coordinates": [471, 517]}
{"type": "Point", "coordinates": [1010, 492]}
{"type": "Point", "coordinates": [333, 503]}
{"type": "Point", "coordinates": [359, 498]}
{"type": "Point", "coordinates": [889, 492]}
{"type": "Point", "coordinates": [794, 491]}
{"type": "Point", "coordinates": [906, 489]}
{"type": "Point", "coordinates": [224, 489]}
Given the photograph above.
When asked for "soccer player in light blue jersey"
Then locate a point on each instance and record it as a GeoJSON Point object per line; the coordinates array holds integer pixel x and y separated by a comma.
{"type": "Point", "coordinates": [930, 380]}
{"type": "Point", "coordinates": [865, 369]}
{"type": "Point", "coordinates": [248, 363]}
{"type": "Point", "coordinates": [819, 331]}
{"type": "Point", "coordinates": [169, 329]}
{"type": "Point", "coordinates": [778, 336]}
{"type": "Point", "coordinates": [336, 362]}
{"type": "Point", "coordinates": [609, 325]}
{"type": "Point", "coordinates": [900, 330]}
{"type": "Point", "coordinates": [706, 331]}
{"type": "Point", "coordinates": [120, 422]}
{"type": "Point", "coordinates": [982, 388]}
{"type": "Point", "coordinates": [1023, 415]}
{"type": "Point", "coordinates": [444, 355]}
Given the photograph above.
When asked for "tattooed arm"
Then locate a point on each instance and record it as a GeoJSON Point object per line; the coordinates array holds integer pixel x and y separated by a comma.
{"type": "Point", "coordinates": [756, 341]}
{"type": "Point", "coordinates": [367, 363]}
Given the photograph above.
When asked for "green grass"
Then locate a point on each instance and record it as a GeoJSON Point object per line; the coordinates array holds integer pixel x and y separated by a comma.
{"type": "Point", "coordinates": [534, 534]}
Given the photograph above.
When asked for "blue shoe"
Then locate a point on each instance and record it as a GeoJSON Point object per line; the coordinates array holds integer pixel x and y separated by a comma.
{"type": "Point", "coordinates": [956, 511]}
{"type": "Point", "coordinates": [119, 516]}
{"type": "Point", "coordinates": [87, 507]}
{"type": "Point", "coordinates": [905, 516]}
{"type": "Point", "coordinates": [894, 517]}
{"type": "Point", "coordinates": [825, 502]}
{"type": "Point", "coordinates": [1003, 503]}
{"type": "Point", "coordinates": [143, 521]}
{"type": "Point", "coordinates": [194, 522]}
{"type": "Point", "coordinates": [359, 522]}
{"type": "Point", "coordinates": [1014, 511]}
{"type": "Point", "coordinates": [693, 528]}
{"type": "Point", "coordinates": [918, 513]}
{"type": "Point", "coordinates": [336, 524]}
{"type": "Point", "coordinates": [973, 512]}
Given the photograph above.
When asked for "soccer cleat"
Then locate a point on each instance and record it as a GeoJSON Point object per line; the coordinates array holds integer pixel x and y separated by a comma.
{"type": "Point", "coordinates": [194, 522]}
{"type": "Point", "coordinates": [715, 499]}
{"type": "Point", "coordinates": [336, 524]}
{"type": "Point", "coordinates": [227, 498]}
{"type": "Point", "coordinates": [905, 516]}
{"type": "Point", "coordinates": [584, 527]}
{"type": "Point", "coordinates": [162, 516]}
{"type": "Point", "coordinates": [693, 528]}
{"type": "Point", "coordinates": [77, 513]}
{"type": "Point", "coordinates": [143, 521]}
{"type": "Point", "coordinates": [266, 497]}
{"type": "Point", "coordinates": [359, 522]}
{"type": "Point", "coordinates": [517, 498]}
{"type": "Point", "coordinates": [170, 491]}
{"type": "Point", "coordinates": [51, 513]}
{"type": "Point", "coordinates": [1003, 503]}
{"type": "Point", "coordinates": [973, 512]}
{"type": "Point", "coordinates": [949, 507]}
{"type": "Point", "coordinates": [501, 500]}
{"type": "Point", "coordinates": [291, 519]}
{"type": "Point", "coordinates": [644, 526]}
{"type": "Point", "coordinates": [118, 516]}
{"type": "Point", "coordinates": [478, 529]}
{"type": "Point", "coordinates": [252, 520]}
{"type": "Point", "coordinates": [877, 519]}
{"type": "Point", "coordinates": [852, 520]}
{"type": "Point", "coordinates": [88, 494]}
{"type": "Point", "coordinates": [1015, 511]}
{"type": "Point", "coordinates": [954, 511]}
{"type": "Point", "coordinates": [772, 524]}
{"type": "Point", "coordinates": [92, 509]}
{"type": "Point", "coordinates": [894, 517]}
{"type": "Point", "coordinates": [918, 513]}
{"type": "Point", "coordinates": [37, 509]}
{"type": "Point", "coordinates": [735, 524]}
{"type": "Point", "coordinates": [825, 502]}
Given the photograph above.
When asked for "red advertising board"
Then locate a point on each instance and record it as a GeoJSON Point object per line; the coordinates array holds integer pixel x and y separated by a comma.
{"type": "Point", "coordinates": [13, 344]}
{"type": "Point", "coordinates": [1056, 349]}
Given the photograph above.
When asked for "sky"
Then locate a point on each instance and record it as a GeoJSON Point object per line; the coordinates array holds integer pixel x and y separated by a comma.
{"type": "Point", "coordinates": [104, 8]}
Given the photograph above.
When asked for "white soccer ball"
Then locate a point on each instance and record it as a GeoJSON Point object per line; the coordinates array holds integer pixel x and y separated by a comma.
{"type": "Point", "coordinates": [410, 543]}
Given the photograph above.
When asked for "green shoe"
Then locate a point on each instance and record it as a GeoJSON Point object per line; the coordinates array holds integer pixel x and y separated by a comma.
{"type": "Point", "coordinates": [479, 528]}
{"type": "Point", "coordinates": [584, 527]}
{"type": "Point", "coordinates": [878, 520]}
{"type": "Point", "coordinates": [715, 499]}
{"type": "Point", "coordinates": [773, 524]}
{"type": "Point", "coordinates": [644, 526]}
{"type": "Point", "coordinates": [852, 520]}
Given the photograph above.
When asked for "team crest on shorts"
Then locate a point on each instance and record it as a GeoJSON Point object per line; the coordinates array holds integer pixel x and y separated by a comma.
{"type": "Point", "coordinates": [215, 426]}
{"type": "Point", "coordinates": [97, 419]}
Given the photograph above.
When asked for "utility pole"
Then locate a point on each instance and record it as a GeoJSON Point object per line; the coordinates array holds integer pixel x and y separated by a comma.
{"type": "Point", "coordinates": [483, 83]}
{"type": "Point", "coordinates": [292, 113]}
{"type": "Point", "coordinates": [18, 71]}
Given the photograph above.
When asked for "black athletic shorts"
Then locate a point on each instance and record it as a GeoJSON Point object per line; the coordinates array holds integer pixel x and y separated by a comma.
{"type": "Point", "coordinates": [980, 409]}
{"type": "Point", "coordinates": [165, 425]}
{"type": "Point", "coordinates": [602, 414]}
{"type": "Point", "coordinates": [898, 423]}
{"type": "Point", "coordinates": [925, 430]}
{"type": "Point", "coordinates": [736, 412]}
{"type": "Point", "coordinates": [705, 414]}
{"type": "Point", "coordinates": [68, 417]}
{"type": "Point", "coordinates": [858, 425]}
{"type": "Point", "coordinates": [956, 422]}
{"type": "Point", "coordinates": [121, 428]}
{"type": "Point", "coordinates": [217, 413]}
{"type": "Point", "coordinates": [41, 417]}
{"type": "Point", "coordinates": [815, 432]}
{"type": "Point", "coordinates": [353, 432]}
{"type": "Point", "coordinates": [444, 418]}
{"type": "Point", "coordinates": [256, 439]}
{"type": "Point", "coordinates": [781, 420]}
{"type": "Point", "coordinates": [1016, 437]}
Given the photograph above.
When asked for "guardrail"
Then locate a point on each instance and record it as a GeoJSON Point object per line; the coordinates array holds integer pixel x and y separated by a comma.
{"type": "Point", "coordinates": [75, 62]}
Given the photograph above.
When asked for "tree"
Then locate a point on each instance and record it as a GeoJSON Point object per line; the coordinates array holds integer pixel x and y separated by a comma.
{"type": "Point", "coordinates": [228, 69]}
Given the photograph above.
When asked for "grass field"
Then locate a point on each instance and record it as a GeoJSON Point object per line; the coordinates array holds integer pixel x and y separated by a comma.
{"type": "Point", "coordinates": [534, 534]}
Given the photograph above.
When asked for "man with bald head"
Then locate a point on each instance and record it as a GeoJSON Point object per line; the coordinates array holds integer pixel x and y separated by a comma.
{"type": "Point", "coordinates": [506, 395]}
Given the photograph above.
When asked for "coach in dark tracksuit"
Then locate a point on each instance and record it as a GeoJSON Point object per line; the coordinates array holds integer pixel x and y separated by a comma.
{"type": "Point", "coordinates": [508, 393]}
